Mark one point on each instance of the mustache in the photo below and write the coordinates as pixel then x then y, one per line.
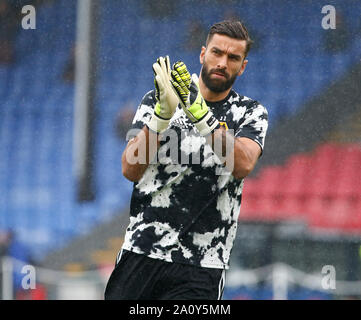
pixel 220 71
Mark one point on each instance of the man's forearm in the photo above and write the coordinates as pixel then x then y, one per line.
pixel 232 152
pixel 139 153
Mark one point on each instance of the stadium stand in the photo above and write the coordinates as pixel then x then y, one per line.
pixel 97 248
pixel 348 131
pixel 37 191
pixel 321 187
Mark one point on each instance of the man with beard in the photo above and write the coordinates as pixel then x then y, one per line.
pixel 185 204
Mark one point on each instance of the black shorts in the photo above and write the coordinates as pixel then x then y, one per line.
pixel 137 277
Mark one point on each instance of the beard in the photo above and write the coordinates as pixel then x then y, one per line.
pixel 217 85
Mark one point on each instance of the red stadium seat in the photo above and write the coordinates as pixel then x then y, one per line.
pixel 270 179
pixel 319 178
pixel 251 188
pixel 322 188
pixel 326 151
pixel 292 207
pixel 259 201
pixel 353 223
pixel 334 215
pixel 296 171
pixel 347 173
pixel 251 200
pixel 314 206
pixel 266 210
pixel 275 205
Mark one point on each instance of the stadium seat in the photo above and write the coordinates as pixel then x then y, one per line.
pixel 262 195
pixel 320 177
pixel 251 206
pixel 347 174
pixel 296 172
pixel 292 208
pixel 333 215
pixel 271 177
pixel 353 222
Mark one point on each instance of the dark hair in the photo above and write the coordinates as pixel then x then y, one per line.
pixel 233 29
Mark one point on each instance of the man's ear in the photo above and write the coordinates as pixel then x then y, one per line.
pixel 243 67
pixel 201 56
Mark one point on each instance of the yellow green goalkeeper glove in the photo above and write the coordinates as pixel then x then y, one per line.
pixel 167 100
pixel 190 97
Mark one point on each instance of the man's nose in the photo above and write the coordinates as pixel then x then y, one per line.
pixel 222 62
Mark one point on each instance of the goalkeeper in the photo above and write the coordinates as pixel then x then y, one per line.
pixel 183 214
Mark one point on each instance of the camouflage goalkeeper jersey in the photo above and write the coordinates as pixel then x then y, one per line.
pixel 186 211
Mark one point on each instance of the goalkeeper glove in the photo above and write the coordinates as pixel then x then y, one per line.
pixel 167 100
pixel 193 104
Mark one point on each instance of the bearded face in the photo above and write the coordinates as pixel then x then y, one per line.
pixel 217 80
pixel 222 61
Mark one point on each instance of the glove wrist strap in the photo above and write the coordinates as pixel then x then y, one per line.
pixel 157 124
pixel 207 124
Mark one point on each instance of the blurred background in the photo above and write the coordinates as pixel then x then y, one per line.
pixel 68 92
